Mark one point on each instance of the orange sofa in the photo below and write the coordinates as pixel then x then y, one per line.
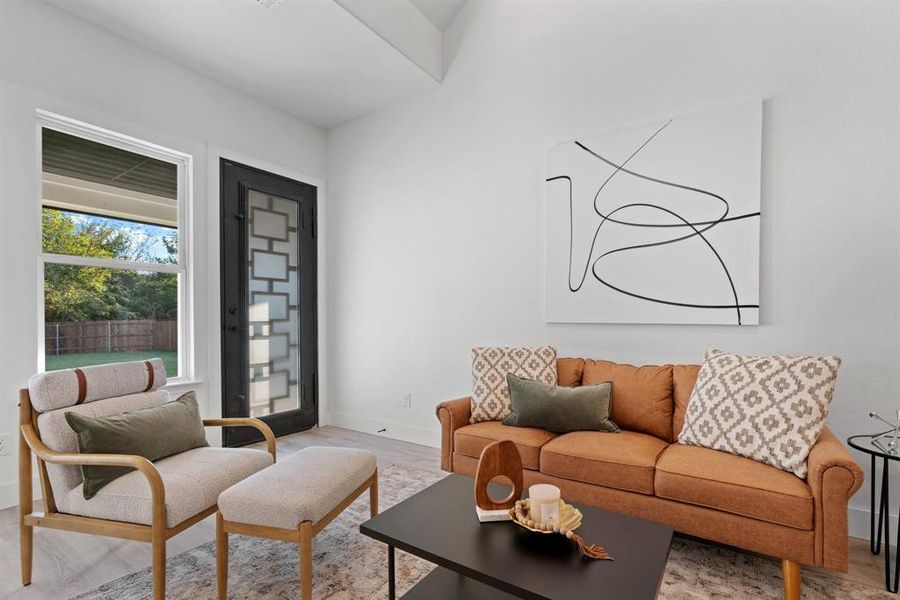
pixel 643 471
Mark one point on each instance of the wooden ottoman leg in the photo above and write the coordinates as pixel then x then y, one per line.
pixel 221 557
pixel 373 495
pixel 306 536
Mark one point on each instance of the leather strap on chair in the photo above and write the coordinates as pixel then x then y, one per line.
pixel 82 385
pixel 150 374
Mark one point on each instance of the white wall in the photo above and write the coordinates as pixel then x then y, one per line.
pixel 54 61
pixel 435 218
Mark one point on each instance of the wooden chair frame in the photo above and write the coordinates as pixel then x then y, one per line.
pixel 303 536
pixel 156 534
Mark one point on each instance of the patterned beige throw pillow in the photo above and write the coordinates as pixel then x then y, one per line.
pixel 490 393
pixel 768 408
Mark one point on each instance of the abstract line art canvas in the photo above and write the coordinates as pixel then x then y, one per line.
pixel 657 224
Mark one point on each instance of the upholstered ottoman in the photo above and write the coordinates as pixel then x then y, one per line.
pixel 292 501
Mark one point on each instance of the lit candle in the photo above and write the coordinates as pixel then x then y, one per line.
pixel 544 503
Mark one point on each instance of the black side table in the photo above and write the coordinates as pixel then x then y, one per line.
pixel 863 443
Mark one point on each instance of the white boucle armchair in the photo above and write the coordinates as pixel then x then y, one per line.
pixel 152 503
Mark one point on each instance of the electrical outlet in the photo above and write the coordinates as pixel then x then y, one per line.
pixel 5 443
pixel 407 401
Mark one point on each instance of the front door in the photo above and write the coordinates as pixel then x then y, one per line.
pixel 269 322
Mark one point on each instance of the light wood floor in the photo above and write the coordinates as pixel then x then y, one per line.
pixel 66 564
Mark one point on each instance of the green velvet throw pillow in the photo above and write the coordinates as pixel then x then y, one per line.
pixel 153 433
pixel 559 409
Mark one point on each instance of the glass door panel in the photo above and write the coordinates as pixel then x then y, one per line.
pixel 273 332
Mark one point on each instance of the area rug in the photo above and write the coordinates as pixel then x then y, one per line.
pixel 349 565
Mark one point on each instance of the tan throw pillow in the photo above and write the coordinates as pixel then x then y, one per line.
pixel 490 393
pixel 768 408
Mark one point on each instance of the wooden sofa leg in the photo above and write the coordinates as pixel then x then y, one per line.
pixel 221 557
pixel 373 496
pixel 790 570
pixel 26 493
pixel 26 548
pixel 158 541
pixel 306 536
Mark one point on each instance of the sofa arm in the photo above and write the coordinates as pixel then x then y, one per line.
pixel 34 444
pixel 452 414
pixel 257 424
pixel 833 477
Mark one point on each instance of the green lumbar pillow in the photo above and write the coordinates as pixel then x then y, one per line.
pixel 559 409
pixel 153 433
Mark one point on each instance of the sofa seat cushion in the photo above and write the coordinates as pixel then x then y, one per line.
pixel 734 484
pixel 193 481
pixel 305 486
pixel 623 460
pixel 471 440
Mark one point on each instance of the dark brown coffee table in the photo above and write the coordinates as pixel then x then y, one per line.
pixel 502 560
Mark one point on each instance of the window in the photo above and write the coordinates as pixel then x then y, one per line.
pixel 113 242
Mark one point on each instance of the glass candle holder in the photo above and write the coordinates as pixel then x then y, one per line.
pixel 545 499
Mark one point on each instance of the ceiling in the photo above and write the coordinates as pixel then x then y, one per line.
pixel 311 58
pixel 440 12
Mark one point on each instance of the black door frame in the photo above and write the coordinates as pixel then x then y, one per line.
pixel 235 180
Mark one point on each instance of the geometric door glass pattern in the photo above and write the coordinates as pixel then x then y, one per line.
pixel 273 323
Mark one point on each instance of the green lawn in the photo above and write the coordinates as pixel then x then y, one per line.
pixel 70 361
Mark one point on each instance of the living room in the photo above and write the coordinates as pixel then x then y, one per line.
pixel 340 233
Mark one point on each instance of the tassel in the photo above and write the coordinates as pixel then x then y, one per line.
pixel 591 550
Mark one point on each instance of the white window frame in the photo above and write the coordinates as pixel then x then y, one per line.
pixel 183 269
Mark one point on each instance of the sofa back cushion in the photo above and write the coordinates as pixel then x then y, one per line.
pixel 641 396
pixel 683 379
pixel 569 371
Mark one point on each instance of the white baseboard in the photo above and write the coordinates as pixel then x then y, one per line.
pixel 416 434
pixel 9 493
pixel 859 526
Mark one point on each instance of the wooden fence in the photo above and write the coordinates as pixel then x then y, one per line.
pixel 110 336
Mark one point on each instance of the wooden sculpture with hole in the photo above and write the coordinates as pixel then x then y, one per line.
pixel 498 459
